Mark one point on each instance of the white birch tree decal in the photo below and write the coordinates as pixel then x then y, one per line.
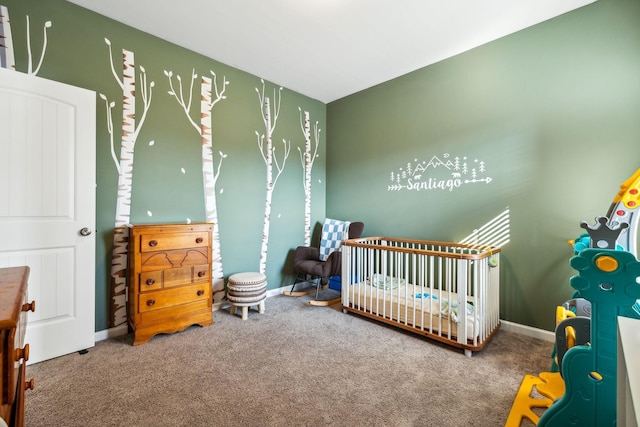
pixel 7 59
pixel 30 69
pixel 124 166
pixel 209 173
pixel 7 56
pixel 268 151
pixel 306 159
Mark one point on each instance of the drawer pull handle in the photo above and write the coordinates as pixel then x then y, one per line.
pixel 30 385
pixel 22 353
pixel 200 292
pixel 151 281
pixel 199 240
pixel 153 243
pixel 151 302
pixel 201 273
pixel 29 306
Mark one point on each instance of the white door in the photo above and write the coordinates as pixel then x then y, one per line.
pixel 47 206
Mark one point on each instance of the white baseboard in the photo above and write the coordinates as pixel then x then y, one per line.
pixel 527 330
pixel 505 325
pixel 276 291
pixel 118 331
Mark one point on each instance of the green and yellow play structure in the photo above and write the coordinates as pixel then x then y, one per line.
pixel 582 392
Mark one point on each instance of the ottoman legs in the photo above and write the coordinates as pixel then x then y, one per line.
pixel 245 309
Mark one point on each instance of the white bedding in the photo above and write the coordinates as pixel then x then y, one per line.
pixel 436 311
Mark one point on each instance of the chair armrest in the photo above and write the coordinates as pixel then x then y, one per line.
pixel 306 253
pixel 334 261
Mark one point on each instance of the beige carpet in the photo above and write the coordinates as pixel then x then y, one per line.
pixel 295 365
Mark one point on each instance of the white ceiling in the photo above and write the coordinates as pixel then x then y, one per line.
pixel 328 49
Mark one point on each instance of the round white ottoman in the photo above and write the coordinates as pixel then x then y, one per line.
pixel 246 290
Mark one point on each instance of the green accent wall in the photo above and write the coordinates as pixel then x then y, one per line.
pixel 553 111
pixel 78 55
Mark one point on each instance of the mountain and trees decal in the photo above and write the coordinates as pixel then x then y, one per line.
pixel 439 173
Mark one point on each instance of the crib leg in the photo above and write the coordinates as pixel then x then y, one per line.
pixel 468 353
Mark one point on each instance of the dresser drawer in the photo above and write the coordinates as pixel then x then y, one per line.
pixel 201 272
pixel 150 280
pixel 159 279
pixel 173 258
pixel 13 351
pixel 178 276
pixel 179 317
pixel 186 275
pixel 163 241
pixel 4 396
pixel 20 349
pixel 175 296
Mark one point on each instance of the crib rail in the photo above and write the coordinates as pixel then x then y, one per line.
pixel 442 290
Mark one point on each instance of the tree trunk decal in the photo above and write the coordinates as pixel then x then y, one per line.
pixel 7 59
pixel 209 173
pixel 306 159
pixel 268 152
pixel 118 313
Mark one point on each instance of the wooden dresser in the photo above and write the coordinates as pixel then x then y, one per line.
pixel 14 353
pixel 169 278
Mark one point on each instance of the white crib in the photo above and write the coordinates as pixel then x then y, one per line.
pixel 449 292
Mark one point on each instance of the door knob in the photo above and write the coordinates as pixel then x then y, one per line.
pixel 85 231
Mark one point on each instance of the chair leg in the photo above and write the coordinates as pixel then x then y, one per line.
pixel 295 281
pixel 318 284
pixel 300 278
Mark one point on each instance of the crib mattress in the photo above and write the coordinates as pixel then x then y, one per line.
pixel 433 310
